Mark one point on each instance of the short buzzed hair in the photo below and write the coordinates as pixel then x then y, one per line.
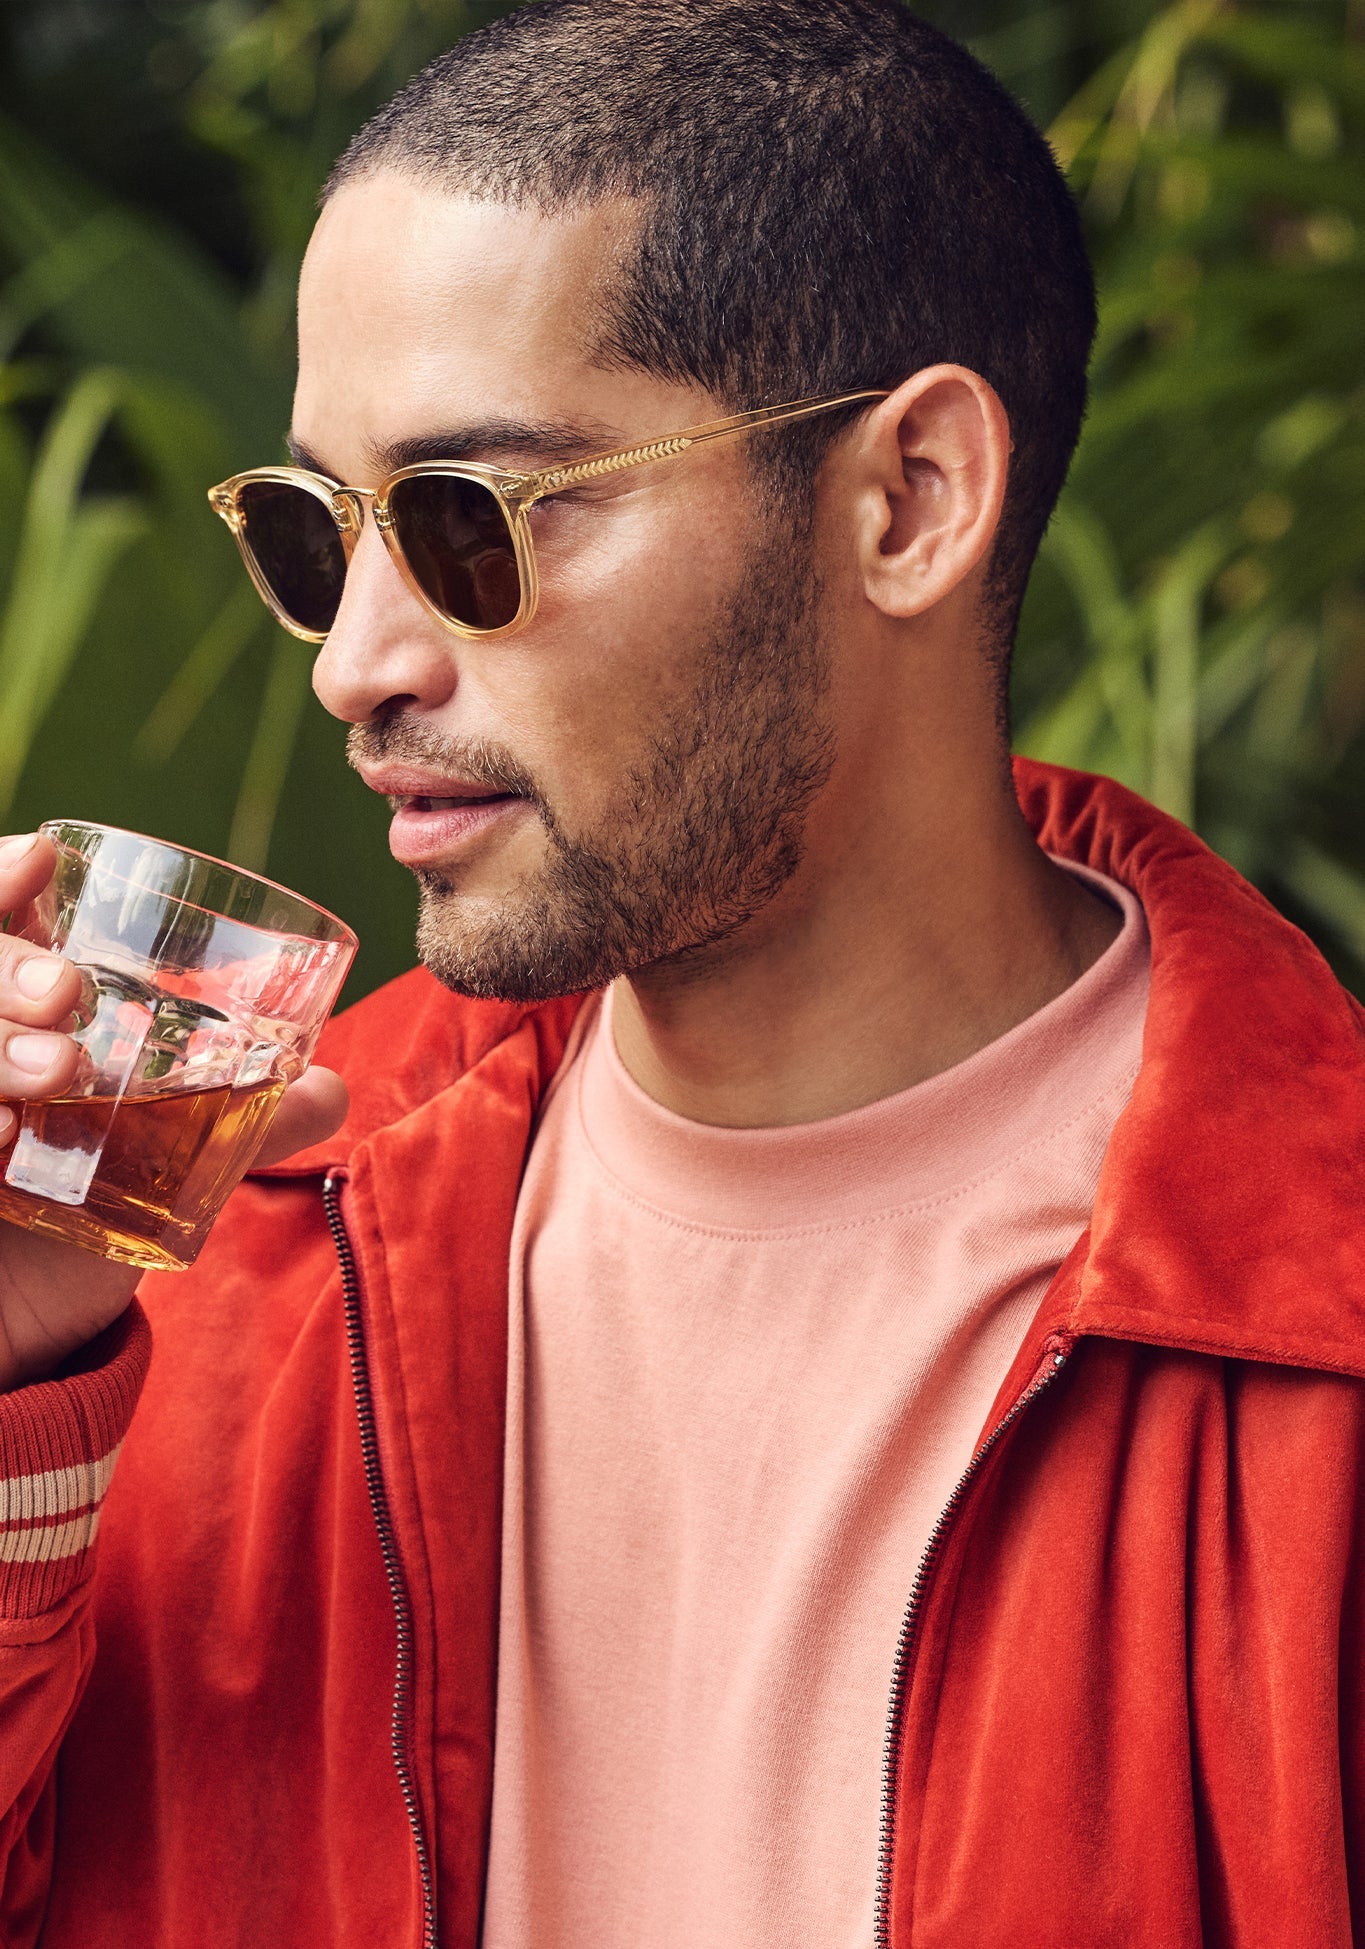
pixel 833 195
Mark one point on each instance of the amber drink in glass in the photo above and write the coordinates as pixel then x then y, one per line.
pixel 206 989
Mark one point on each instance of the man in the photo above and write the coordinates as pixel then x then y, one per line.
pixel 917 1499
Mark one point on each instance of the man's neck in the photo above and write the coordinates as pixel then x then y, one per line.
pixel 866 977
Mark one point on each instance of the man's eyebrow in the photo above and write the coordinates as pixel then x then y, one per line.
pixel 499 439
pixel 488 440
pixel 303 456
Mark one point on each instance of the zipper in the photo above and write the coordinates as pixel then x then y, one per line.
pixel 400 1729
pixel 1055 1352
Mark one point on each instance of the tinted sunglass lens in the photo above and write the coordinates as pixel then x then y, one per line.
pixel 297 547
pixel 456 540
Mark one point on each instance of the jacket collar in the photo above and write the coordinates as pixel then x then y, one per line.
pixel 1229 1211
pixel 1228 1215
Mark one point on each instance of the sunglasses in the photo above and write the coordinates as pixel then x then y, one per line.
pixel 459 533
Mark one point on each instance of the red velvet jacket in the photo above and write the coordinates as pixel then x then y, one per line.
pixel 1127 1707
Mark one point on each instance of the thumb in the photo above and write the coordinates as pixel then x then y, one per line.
pixel 309 1111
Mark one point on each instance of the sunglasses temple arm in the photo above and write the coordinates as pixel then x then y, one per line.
pixel 534 487
pixel 802 409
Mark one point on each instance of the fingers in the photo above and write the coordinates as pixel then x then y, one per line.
pixel 310 1110
pixel 38 995
pixel 39 992
pixel 35 1062
pixel 26 866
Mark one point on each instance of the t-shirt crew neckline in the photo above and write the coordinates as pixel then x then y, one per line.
pixel 920 1146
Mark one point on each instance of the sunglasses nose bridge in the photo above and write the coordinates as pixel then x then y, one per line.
pixel 347 506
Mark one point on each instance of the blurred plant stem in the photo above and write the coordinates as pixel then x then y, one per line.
pixel 267 762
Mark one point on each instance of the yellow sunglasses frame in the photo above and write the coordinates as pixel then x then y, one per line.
pixel 516 495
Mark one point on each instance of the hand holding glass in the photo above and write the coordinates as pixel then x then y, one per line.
pixel 206 989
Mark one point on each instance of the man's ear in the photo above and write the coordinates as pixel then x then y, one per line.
pixel 932 464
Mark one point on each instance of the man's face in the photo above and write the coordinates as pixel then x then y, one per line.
pixel 627 780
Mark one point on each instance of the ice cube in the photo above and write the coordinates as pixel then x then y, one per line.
pixel 54 1158
pixel 261 1064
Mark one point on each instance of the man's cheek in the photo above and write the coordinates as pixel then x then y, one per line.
pixel 582 740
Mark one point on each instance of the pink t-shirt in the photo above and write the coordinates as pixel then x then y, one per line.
pixel 747 1369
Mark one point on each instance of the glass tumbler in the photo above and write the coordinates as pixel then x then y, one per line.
pixel 206 989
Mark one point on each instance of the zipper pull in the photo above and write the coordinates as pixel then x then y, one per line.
pixel 1056 1352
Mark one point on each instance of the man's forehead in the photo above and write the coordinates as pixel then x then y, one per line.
pixel 435 326
pixel 438 325
pixel 390 254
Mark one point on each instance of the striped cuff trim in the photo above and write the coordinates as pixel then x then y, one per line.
pixel 59 1441
pixel 31 1505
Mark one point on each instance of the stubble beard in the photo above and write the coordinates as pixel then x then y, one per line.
pixel 700 837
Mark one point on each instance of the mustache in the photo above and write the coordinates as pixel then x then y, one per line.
pixel 399 739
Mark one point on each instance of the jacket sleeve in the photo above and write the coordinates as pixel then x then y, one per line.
pixel 59 1440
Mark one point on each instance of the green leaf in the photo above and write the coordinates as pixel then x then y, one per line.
pixel 67 548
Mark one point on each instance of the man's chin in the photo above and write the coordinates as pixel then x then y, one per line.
pixel 491 952
pixel 483 983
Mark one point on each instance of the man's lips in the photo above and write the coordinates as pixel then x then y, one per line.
pixel 433 815
pixel 445 801
pixel 403 786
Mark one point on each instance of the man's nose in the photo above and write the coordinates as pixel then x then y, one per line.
pixel 384 649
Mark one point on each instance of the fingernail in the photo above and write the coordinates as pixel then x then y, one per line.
pixel 39 975
pixel 13 850
pixel 7 1122
pixel 34 1053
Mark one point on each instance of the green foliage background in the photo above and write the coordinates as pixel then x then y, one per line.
pixel 1196 625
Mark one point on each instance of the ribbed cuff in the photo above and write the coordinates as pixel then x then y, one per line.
pixel 59 1440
